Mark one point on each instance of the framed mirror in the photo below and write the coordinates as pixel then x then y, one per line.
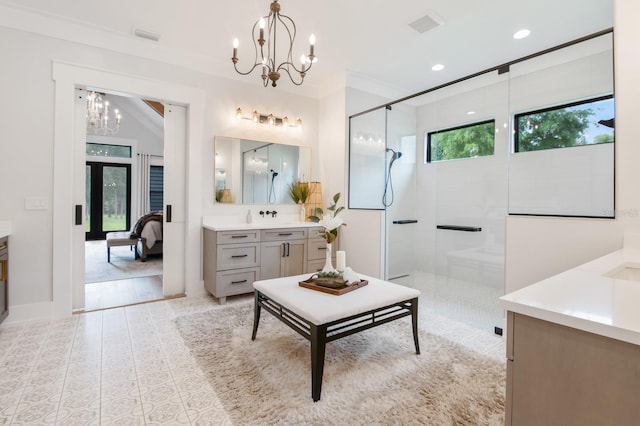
pixel 258 172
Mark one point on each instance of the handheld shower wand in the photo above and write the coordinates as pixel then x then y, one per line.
pixel 388 184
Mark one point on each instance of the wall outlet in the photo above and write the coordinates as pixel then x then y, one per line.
pixel 36 203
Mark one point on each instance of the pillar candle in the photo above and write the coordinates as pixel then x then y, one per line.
pixel 341 262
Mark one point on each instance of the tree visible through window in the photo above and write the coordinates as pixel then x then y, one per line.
pixel 471 140
pixel 580 123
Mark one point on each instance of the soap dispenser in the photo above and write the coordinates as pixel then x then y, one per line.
pixel 249 216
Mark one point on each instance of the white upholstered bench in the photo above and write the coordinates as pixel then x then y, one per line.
pixel 122 238
pixel 322 318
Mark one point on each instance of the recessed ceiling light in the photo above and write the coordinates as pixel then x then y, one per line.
pixel 521 34
pixel 437 67
pixel 470 112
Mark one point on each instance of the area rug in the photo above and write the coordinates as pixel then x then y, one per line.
pixel 123 263
pixel 370 378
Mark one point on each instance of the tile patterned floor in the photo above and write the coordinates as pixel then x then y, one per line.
pixel 129 366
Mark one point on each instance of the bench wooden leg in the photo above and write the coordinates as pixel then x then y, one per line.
pixel 256 316
pixel 414 323
pixel 318 346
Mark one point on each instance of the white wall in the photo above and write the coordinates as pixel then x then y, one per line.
pixel 27 108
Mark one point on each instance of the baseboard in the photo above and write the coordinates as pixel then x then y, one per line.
pixel 30 312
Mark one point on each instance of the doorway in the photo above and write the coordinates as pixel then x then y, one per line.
pixel 123 187
pixel 184 263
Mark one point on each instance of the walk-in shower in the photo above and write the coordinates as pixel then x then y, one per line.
pixel 441 168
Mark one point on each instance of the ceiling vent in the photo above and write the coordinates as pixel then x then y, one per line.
pixel 426 23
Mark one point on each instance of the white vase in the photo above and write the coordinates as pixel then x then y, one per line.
pixel 328 267
pixel 302 213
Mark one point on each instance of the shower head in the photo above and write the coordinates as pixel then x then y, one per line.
pixel 274 174
pixel 394 154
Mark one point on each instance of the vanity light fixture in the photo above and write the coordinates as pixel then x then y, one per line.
pixel 269 119
pixel 266 48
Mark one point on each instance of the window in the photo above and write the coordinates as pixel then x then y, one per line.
pixel 156 187
pixel 104 150
pixel 468 141
pixel 587 122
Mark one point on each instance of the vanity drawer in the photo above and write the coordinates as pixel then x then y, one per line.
pixel 317 249
pixel 238 281
pixel 248 236
pixel 234 256
pixel 283 234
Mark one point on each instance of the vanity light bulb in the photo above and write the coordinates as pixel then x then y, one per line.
pixel 236 43
pixel 238 113
pixel 256 116
pixel 261 23
pixel 299 122
pixel 312 39
pixel 285 121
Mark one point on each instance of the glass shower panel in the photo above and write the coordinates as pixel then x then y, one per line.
pixel 470 198
pixel 399 196
pixel 367 160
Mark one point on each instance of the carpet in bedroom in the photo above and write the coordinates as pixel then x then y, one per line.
pixel 123 264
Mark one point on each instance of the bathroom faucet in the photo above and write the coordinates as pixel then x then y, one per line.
pixel 272 213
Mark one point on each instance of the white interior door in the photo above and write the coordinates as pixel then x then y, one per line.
pixel 79 177
pixel 175 199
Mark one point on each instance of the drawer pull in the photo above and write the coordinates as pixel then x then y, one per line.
pixel 4 246
pixel 235 256
pixel 238 282
pixel 322 248
pixel 239 236
pixel 285 234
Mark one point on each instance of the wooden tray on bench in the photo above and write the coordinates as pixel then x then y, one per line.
pixel 336 291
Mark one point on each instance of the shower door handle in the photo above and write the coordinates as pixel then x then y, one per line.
pixel 404 221
pixel 168 213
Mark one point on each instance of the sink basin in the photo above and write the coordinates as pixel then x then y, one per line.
pixel 629 272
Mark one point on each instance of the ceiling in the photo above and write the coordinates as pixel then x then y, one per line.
pixel 368 41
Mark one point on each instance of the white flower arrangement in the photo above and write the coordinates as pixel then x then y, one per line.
pixel 330 221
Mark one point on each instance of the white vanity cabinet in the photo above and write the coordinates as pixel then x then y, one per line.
pixel 282 252
pixel 231 262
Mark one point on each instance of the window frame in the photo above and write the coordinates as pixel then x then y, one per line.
pixel 516 117
pixel 428 158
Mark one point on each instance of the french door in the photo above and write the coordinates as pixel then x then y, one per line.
pixel 108 199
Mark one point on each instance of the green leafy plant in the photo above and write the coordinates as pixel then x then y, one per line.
pixel 299 192
pixel 329 221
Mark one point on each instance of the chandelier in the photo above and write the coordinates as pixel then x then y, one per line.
pixel 98 119
pixel 265 49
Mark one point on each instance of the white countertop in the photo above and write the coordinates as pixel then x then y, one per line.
pixel 585 299
pixel 222 224
pixel 5 229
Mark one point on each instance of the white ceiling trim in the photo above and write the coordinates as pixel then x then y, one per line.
pixel 49 25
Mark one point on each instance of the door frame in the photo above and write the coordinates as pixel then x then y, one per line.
pixel 69 153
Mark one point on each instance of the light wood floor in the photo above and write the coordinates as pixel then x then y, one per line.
pixel 110 294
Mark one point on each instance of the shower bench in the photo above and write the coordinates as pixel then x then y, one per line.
pixel 322 318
